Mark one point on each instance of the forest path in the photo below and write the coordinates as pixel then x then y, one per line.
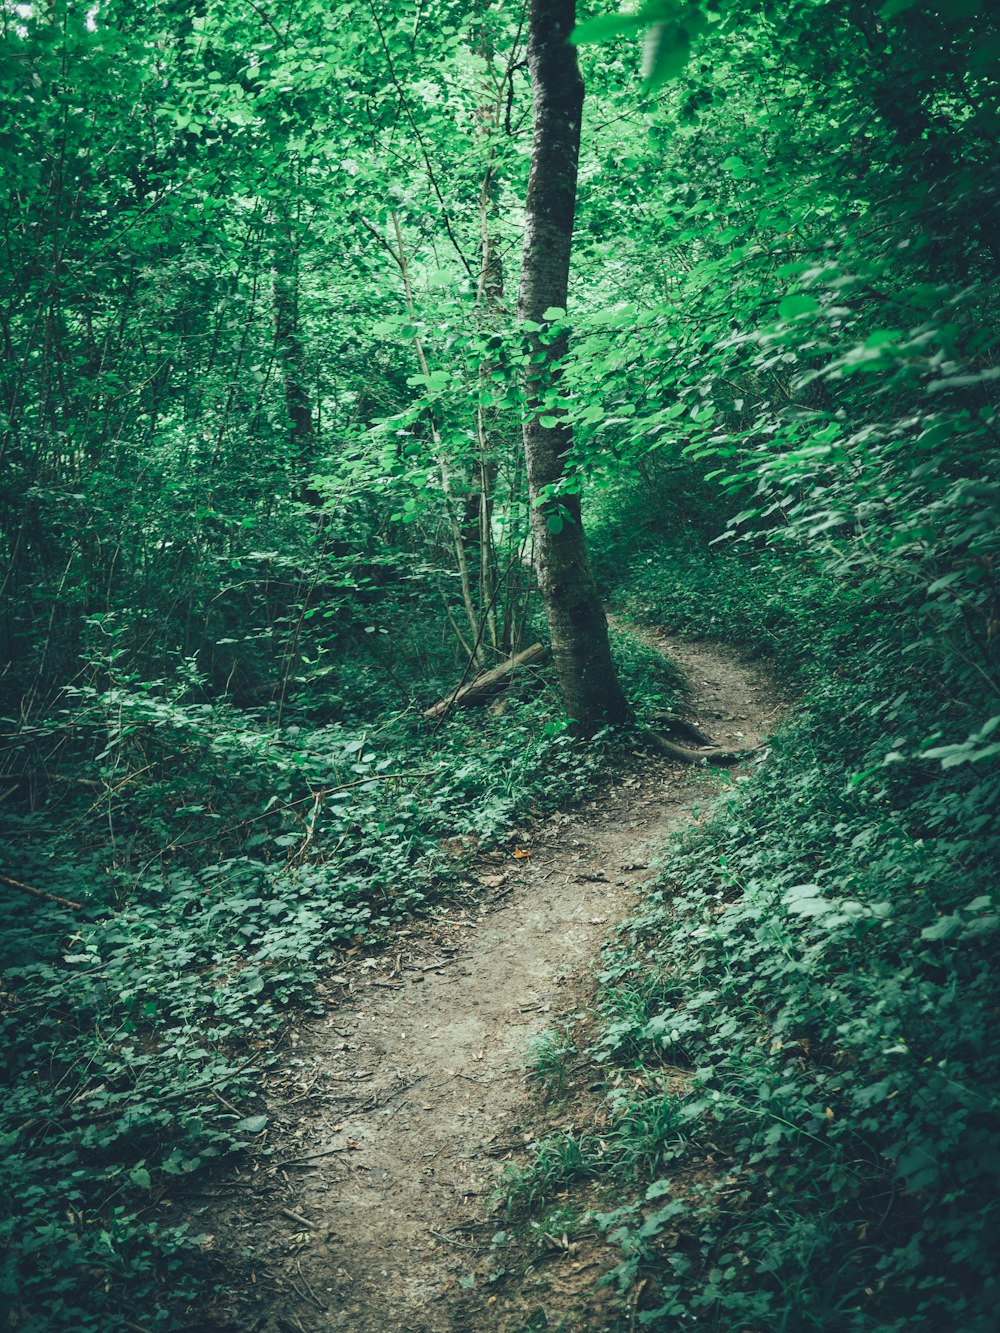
pixel 392 1111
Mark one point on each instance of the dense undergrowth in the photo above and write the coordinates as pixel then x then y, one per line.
pixel 214 865
pixel 803 1130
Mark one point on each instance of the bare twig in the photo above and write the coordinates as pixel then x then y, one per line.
pixel 109 792
pixel 310 1157
pixel 459 1244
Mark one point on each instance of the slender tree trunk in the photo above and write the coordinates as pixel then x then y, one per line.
pixel 578 629
pixel 444 471
pixel 291 357
pixel 298 408
pixel 489 301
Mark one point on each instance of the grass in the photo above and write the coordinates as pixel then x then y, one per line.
pixel 548 1058
pixel 554 1160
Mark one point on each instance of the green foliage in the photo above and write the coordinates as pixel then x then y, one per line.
pixel 650 680
pixel 830 950
pixel 262 501
pixel 214 891
pixel 667 44
pixel 554 1161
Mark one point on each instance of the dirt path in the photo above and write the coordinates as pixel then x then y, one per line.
pixel 396 1106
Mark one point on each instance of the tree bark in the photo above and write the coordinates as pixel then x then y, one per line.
pixel 577 625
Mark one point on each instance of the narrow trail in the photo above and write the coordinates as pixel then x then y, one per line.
pixel 394 1109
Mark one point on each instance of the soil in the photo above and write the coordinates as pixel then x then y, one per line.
pixel 395 1113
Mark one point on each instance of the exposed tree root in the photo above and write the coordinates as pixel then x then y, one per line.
pixel 682 727
pixel 685 755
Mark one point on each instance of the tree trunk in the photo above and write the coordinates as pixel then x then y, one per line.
pixel 291 357
pixel 577 626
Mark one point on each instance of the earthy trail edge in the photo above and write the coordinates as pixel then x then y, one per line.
pixel 391 1115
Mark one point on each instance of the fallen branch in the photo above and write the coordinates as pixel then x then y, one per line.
pixel 40 893
pixel 487 682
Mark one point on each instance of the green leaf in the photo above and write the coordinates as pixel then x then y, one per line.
pixel 793 306
pixel 252 1124
pixel 141 1177
pixel 893 7
pixel 555 523
pixel 554 312
pixel 665 52
pixel 658 1188
pixel 882 336
pixel 605 27
pixel 944 928
pixel 800 891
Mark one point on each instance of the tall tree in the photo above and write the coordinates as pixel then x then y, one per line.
pixel 578 628
pixel 291 355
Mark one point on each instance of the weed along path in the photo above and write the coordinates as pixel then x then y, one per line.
pixel 393 1114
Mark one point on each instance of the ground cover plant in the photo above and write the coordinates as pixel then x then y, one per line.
pixel 829 989
pixel 200 872
pixel 801 1127
pixel 145 996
